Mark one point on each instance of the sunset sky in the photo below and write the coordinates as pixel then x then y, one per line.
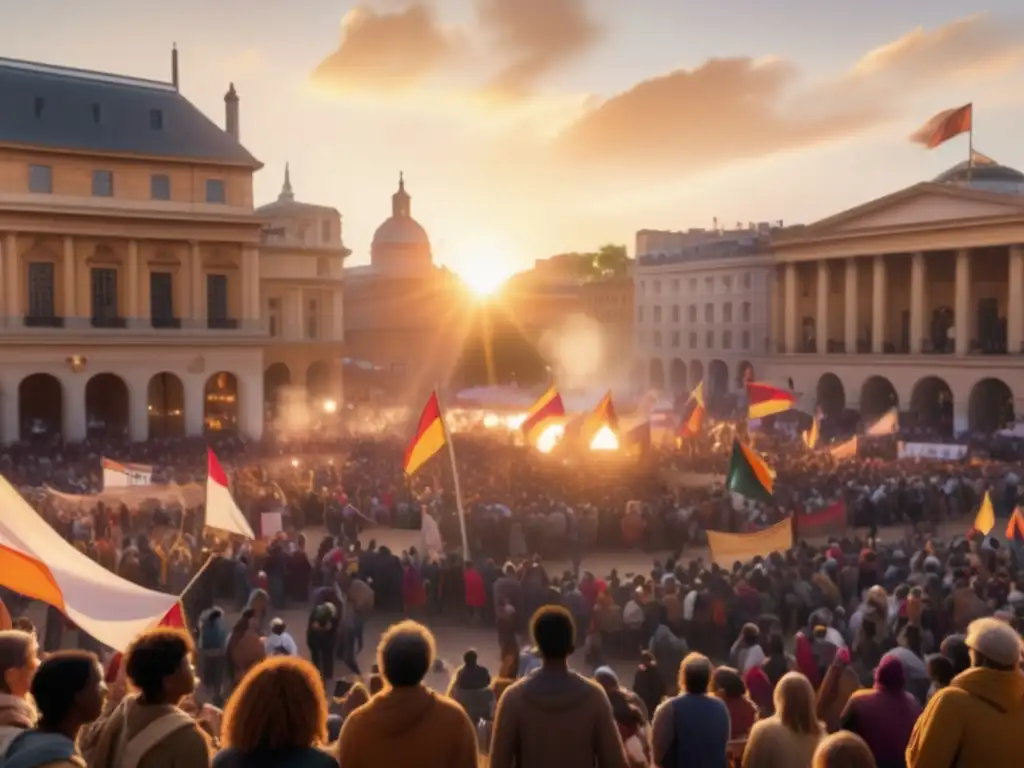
pixel 531 127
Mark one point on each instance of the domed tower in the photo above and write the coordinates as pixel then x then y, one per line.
pixel 984 173
pixel 400 245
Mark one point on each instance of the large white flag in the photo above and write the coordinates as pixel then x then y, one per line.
pixel 37 563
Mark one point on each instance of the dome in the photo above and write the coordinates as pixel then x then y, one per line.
pixel 400 230
pixel 984 173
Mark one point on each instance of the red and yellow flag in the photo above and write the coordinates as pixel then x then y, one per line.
pixel 766 400
pixel 1015 528
pixel 602 416
pixel 693 423
pixel 548 409
pixel 944 126
pixel 698 394
pixel 428 439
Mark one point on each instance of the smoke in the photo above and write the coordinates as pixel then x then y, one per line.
pixel 582 358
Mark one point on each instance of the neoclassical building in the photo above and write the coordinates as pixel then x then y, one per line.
pixel 703 300
pixel 302 259
pixel 914 300
pixel 403 315
pixel 129 255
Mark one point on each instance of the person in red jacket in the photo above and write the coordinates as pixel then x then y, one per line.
pixel 476 592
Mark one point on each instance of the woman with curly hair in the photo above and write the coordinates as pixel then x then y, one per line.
pixel 277 716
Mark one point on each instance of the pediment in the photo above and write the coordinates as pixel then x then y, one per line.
pixel 921 205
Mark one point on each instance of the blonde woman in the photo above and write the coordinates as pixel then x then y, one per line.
pixel 788 738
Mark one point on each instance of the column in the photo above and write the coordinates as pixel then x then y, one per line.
pixel 850 306
pixel 293 325
pixel 1015 301
pixel 74 406
pixel 338 315
pixel 962 308
pixel 70 310
pixel 917 279
pixel 878 290
pixel 10 426
pixel 250 405
pixel 138 409
pixel 789 303
pixel 12 278
pixel 3 293
pixel 195 408
pixel 198 288
pixel 132 309
pixel 821 321
pixel 250 285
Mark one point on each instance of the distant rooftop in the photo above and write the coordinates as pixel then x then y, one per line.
pixel 63 108
pixel 656 247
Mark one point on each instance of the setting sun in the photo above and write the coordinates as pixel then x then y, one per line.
pixel 484 265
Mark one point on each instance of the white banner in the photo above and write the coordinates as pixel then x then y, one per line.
pixel 271 524
pixel 943 451
pixel 118 475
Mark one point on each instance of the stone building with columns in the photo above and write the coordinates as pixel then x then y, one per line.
pixel 302 258
pixel 129 255
pixel 913 300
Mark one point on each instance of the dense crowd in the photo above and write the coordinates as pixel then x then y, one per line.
pixel 894 650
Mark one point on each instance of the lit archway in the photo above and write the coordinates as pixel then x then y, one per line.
pixel 106 406
pixel 40 406
pixel 318 381
pixel 696 373
pixel 877 396
pixel 678 376
pixel 990 406
pixel 275 379
pixel 165 404
pixel 931 402
pixel 718 378
pixel 657 374
pixel 220 402
pixel 831 395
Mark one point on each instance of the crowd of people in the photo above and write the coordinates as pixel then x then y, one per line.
pixel 893 650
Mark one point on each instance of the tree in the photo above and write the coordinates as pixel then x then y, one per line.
pixel 611 261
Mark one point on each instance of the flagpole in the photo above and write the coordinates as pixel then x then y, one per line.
pixel 970 147
pixel 455 477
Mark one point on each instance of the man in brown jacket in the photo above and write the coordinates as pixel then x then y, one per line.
pixel 555 717
pixel 150 730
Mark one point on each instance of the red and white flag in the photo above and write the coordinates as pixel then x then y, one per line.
pixel 222 512
pixel 944 126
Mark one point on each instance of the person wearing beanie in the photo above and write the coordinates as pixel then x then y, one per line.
pixel 407 723
pixel 978 719
pixel 884 715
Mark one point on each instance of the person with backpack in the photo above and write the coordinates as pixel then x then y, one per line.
pixel 69 691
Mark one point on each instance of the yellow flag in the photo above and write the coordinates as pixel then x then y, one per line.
pixel 986 519
pixel 811 435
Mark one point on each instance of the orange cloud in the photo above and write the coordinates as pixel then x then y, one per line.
pixel 535 37
pixel 734 109
pixel 388 50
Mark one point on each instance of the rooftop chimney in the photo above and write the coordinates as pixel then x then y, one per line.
pixel 174 65
pixel 231 112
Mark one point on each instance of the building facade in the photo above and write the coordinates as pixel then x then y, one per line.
pixel 611 302
pixel 302 259
pixel 913 300
pixel 703 308
pixel 404 318
pixel 129 256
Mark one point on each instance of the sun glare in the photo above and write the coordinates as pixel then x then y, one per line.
pixel 484 265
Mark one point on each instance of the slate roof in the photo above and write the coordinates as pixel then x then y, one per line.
pixel 65 100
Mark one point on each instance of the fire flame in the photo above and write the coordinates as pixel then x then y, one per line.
pixel 604 440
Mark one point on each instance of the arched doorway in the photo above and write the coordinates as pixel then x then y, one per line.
pixel 696 373
pixel 657 374
pixel 678 376
pixel 931 402
pixel 318 381
pixel 718 378
pixel 877 396
pixel 275 379
pixel 106 406
pixel 40 406
pixel 744 374
pixel 990 406
pixel 165 404
pixel 831 395
pixel 220 402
